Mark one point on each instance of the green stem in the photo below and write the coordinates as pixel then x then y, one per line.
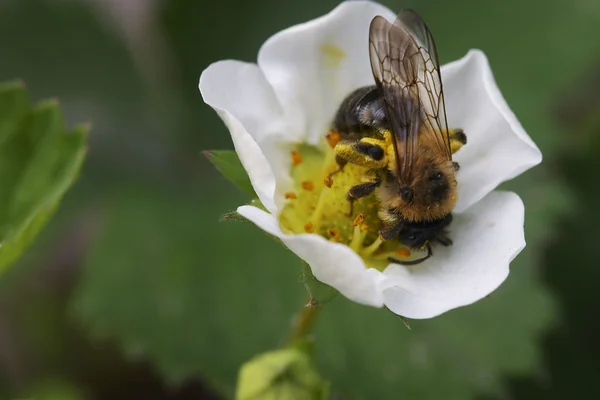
pixel 304 322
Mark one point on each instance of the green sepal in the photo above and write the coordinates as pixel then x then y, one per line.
pixel 318 291
pixel 282 374
pixel 235 216
pixel 229 164
pixel 39 160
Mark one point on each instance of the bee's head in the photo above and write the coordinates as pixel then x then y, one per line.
pixel 418 234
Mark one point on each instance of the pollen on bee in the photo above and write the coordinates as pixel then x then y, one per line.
pixel 333 137
pixel 307 185
pixel 296 158
pixel 403 252
pixel 308 228
pixel 360 218
pixel 290 195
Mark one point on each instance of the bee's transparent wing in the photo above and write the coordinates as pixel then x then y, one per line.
pixel 406 69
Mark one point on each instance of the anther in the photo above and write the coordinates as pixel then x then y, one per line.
pixel 328 181
pixel 308 185
pixel 333 137
pixel 290 195
pixel 296 157
pixel 403 252
pixel 333 234
pixel 360 218
pixel 308 228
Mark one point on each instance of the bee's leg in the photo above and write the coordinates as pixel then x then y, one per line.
pixel 413 262
pixel 366 152
pixel 341 162
pixel 361 190
pixel 457 139
pixel 444 240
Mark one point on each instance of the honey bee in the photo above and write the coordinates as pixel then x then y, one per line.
pixel 397 129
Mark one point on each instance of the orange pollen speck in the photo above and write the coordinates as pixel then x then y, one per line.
pixel 333 233
pixel 308 228
pixel 328 181
pixel 290 195
pixel 333 137
pixel 360 218
pixel 308 185
pixel 403 252
pixel 296 157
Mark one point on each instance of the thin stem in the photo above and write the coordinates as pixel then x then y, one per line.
pixel 304 322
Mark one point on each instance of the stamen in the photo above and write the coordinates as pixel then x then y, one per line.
pixel 308 185
pixel 403 252
pixel 333 234
pixel 318 213
pixel 296 158
pixel 360 218
pixel 372 247
pixel 290 195
pixel 333 137
pixel 308 228
pixel 359 236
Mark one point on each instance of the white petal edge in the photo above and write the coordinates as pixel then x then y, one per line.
pixel 498 148
pixel 242 97
pixel 332 263
pixel 487 237
pixel 314 65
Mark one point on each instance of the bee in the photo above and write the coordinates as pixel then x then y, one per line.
pixel 397 129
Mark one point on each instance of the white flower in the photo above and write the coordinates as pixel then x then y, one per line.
pixel 291 95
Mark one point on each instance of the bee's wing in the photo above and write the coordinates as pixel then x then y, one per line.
pixel 405 65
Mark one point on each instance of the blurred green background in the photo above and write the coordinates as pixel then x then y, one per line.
pixel 135 290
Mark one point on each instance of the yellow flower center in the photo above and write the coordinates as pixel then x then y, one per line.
pixel 313 207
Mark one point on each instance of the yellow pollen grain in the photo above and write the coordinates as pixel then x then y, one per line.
pixel 333 137
pixel 290 195
pixel 403 252
pixel 296 158
pixel 308 185
pixel 308 228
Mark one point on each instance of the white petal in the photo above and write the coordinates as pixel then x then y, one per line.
pixel 314 65
pixel 246 103
pixel 332 263
pixel 498 148
pixel 487 237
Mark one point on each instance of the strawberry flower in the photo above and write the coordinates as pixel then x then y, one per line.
pixel 279 112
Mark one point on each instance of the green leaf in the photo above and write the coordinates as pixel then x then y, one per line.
pixel 229 164
pixel 39 160
pixel 281 374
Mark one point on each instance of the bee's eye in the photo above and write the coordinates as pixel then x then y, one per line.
pixel 376 153
pixel 436 176
pixel 406 193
